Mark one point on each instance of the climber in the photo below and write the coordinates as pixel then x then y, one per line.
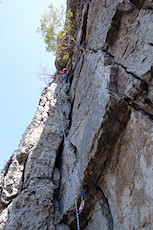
pixel 83 200
pixel 64 78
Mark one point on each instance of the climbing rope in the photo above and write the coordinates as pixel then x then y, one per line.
pixel 70 166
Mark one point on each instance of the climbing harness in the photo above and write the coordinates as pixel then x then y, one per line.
pixel 70 166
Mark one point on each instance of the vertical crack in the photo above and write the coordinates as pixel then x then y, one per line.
pixel 84 27
pixel 56 181
pixel 105 208
pixel 114 29
pixel 23 175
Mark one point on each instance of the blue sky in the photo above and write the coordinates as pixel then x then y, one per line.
pixel 22 52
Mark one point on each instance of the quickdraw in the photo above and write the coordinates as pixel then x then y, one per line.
pixel 83 200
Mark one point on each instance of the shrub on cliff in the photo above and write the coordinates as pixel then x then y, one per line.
pixel 55 30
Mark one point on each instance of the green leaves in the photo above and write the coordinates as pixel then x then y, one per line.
pixel 54 31
pixel 51 22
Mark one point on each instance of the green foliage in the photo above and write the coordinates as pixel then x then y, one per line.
pixel 69 20
pixel 54 31
pixel 51 23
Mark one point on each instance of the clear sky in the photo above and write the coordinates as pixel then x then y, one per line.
pixel 22 52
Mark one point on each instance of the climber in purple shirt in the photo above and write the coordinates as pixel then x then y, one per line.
pixel 64 78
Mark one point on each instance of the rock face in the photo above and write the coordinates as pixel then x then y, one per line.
pixel 30 181
pixel 108 120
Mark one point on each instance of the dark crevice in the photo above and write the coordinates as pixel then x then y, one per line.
pixel 58 163
pixel 113 79
pixel 151 71
pixel 134 104
pixel 148 8
pixel 144 86
pixel 147 101
pixel 139 109
pixel 144 60
pixel 138 3
pixel 151 44
pixel 87 222
pixel 127 99
pixel 114 30
pixel 58 155
pixel 125 50
pixel 107 60
pixel 84 27
pixel 70 116
pixel 106 209
pixel 133 75
pixel 22 179
pixel 75 151
pixel 111 61
pixel 80 59
pixel 72 69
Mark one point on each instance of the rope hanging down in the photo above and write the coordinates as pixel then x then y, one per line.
pixel 70 166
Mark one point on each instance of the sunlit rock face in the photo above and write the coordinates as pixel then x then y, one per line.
pixel 108 119
pixel 31 177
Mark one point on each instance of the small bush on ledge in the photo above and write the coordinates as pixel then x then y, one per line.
pixel 56 31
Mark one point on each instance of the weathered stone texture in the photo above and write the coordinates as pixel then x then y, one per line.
pixel 134 46
pixel 31 176
pixel 108 83
pixel 108 120
pixel 97 30
pixel 128 182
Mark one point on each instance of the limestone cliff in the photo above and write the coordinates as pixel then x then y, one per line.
pixel 108 120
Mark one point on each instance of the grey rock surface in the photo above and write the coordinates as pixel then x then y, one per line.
pixel 32 176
